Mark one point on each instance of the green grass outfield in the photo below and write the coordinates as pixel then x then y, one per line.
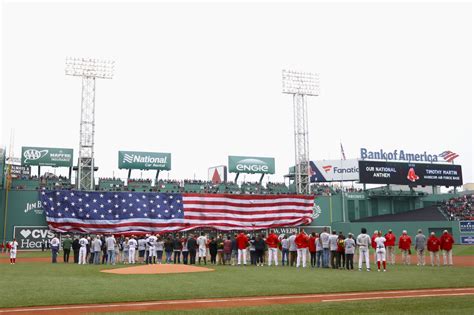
pixel 459 305
pixel 28 284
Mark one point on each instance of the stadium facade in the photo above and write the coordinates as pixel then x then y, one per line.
pixel 380 208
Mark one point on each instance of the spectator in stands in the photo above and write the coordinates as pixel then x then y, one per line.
pixel 404 244
pixel 420 245
pixel 390 245
pixel 446 244
pixel 433 245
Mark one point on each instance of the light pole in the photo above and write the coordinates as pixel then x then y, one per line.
pixel 301 84
pixel 89 70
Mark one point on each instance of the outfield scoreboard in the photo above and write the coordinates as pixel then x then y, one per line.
pixel 412 174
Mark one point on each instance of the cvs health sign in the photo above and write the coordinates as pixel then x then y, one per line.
pixel 31 237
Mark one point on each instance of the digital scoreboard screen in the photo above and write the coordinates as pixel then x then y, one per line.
pixel 412 174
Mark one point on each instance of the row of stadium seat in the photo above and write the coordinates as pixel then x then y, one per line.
pixel 169 186
pixel 459 208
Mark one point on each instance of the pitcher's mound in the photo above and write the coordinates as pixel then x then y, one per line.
pixel 156 269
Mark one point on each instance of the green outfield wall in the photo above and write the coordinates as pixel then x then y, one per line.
pixel 24 210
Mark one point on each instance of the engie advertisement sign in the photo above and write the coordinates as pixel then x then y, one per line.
pixel 334 170
pixel 31 237
pixel 144 160
pixel 46 156
pixel 372 172
pixel 251 165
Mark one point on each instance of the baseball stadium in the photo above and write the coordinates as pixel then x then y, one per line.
pixel 86 229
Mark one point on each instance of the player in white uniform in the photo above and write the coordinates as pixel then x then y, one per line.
pixel 83 250
pixel 151 240
pixel 380 250
pixel 363 241
pixel 202 242
pixel 132 245
pixel 13 248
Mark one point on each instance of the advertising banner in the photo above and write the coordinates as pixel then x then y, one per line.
pixel 403 155
pixel 19 171
pixel 466 226
pixel 467 240
pixel 31 237
pixel 144 160
pixel 372 172
pixel 251 165
pixel 46 156
pixel 334 170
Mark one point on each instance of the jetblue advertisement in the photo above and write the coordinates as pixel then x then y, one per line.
pixel 412 174
pixel 334 170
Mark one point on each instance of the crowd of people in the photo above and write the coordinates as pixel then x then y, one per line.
pixel 321 250
pixel 459 208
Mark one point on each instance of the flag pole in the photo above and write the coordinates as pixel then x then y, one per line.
pixel 343 156
pixel 7 188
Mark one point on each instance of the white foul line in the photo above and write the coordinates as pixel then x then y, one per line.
pixel 287 297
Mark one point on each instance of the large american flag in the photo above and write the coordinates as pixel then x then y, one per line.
pixel 138 213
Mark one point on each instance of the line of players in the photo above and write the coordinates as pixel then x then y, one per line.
pixel 323 248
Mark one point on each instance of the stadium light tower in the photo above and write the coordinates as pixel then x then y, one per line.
pixel 301 85
pixel 89 70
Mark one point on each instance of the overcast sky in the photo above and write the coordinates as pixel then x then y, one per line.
pixel 203 81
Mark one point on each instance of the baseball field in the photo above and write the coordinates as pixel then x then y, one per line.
pixel 36 286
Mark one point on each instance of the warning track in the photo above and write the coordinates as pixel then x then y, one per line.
pixel 235 302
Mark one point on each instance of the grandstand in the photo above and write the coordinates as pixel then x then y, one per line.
pixel 459 208
pixel 345 209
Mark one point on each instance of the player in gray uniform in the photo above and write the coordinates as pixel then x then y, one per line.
pixel 349 250
pixel 420 246
pixel 141 250
pixel 364 241
pixel 96 249
pixel 125 250
pixel 152 249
